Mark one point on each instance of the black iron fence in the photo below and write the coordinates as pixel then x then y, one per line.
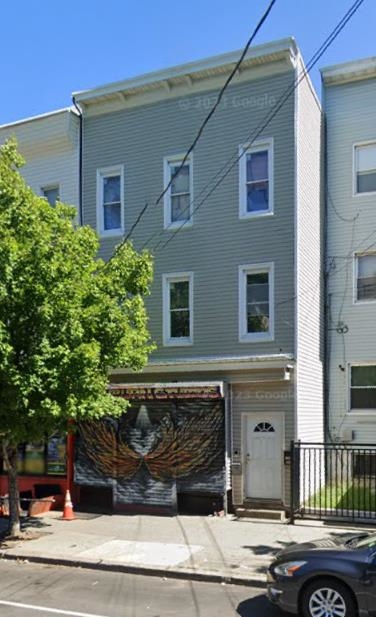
pixel 333 481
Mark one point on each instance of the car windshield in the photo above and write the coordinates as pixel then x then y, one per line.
pixel 363 542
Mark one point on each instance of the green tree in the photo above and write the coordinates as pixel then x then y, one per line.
pixel 66 318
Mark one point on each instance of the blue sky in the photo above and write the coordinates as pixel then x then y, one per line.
pixel 49 49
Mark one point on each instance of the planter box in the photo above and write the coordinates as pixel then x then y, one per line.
pixel 38 507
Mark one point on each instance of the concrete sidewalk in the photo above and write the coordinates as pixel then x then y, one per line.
pixel 191 547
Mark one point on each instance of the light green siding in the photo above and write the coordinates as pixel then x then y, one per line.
pixel 218 242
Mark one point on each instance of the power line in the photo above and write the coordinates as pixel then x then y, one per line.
pixel 209 115
pixel 273 112
pixel 338 215
pixel 217 102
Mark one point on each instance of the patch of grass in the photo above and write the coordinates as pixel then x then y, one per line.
pixel 346 496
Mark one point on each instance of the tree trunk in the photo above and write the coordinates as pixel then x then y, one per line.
pixel 10 460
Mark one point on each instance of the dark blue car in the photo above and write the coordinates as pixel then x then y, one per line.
pixel 326 578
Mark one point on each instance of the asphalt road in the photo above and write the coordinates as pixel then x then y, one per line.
pixel 28 590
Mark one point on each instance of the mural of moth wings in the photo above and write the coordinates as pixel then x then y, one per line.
pixel 108 455
pixel 194 447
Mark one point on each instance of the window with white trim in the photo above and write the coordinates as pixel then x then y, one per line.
pixel 110 201
pixel 178 197
pixel 365 269
pixel 365 168
pixel 178 309
pixel 256 179
pixel 51 193
pixel 363 387
pixel 256 302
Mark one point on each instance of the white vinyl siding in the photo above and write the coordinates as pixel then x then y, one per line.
pixel 178 199
pixel 178 308
pixel 110 201
pixel 308 266
pixel 256 186
pixel 365 168
pixel 256 302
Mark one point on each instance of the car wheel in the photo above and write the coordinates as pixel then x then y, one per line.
pixel 328 598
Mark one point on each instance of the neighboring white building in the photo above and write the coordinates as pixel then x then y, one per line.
pixel 50 145
pixel 350 108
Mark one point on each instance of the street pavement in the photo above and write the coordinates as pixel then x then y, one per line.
pixel 216 549
pixel 36 590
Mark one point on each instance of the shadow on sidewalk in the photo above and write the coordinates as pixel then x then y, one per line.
pixel 257 607
pixel 29 525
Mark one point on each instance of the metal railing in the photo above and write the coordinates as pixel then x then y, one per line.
pixel 330 480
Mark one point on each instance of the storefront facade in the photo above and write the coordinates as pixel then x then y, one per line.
pixel 44 469
pixel 195 439
pixel 166 454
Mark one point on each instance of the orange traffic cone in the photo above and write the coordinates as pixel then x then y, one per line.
pixel 68 514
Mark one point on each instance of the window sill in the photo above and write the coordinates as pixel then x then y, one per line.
pixel 113 233
pixel 175 226
pixel 255 215
pixel 364 302
pixel 365 194
pixel 177 343
pixel 246 338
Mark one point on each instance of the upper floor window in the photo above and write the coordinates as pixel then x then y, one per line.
pixel 256 179
pixel 363 387
pixel 365 168
pixel 178 309
pixel 178 198
pixel 51 193
pixel 256 302
pixel 110 201
pixel 365 277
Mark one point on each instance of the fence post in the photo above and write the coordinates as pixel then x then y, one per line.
pixel 292 483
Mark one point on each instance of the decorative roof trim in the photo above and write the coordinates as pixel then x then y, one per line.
pixel 355 70
pixel 284 48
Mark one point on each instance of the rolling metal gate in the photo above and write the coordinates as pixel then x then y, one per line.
pixel 333 481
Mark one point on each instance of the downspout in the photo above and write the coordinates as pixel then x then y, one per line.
pixel 80 163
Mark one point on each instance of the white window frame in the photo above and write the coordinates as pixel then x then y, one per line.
pixel 355 278
pixel 176 277
pixel 257 146
pixel 168 161
pixel 106 172
pixel 48 187
pixel 355 146
pixel 244 335
pixel 357 410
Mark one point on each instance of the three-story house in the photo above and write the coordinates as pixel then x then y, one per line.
pixel 237 293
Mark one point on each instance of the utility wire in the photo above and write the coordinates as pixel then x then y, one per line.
pixel 209 115
pixel 280 103
pixel 219 98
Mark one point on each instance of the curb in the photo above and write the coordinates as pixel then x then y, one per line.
pixel 199 575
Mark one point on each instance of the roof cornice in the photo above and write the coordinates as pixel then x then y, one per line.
pixel 346 72
pixel 284 49
pixel 45 116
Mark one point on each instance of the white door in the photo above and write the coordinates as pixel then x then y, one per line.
pixel 263 450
